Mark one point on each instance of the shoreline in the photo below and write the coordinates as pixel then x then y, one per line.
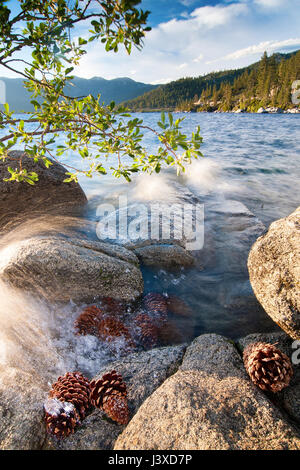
pixel 166 110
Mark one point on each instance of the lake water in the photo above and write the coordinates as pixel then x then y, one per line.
pixel 249 158
pixel 253 158
pixel 251 164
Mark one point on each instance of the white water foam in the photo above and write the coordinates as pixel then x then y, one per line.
pixel 25 342
pixel 206 176
pixel 40 340
pixel 152 187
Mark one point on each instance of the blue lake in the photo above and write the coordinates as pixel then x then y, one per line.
pixel 253 159
pixel 251 163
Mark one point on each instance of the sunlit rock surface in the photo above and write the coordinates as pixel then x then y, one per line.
pixel 20 201
pixel 60 270
pixel 274 269
pixel 209 404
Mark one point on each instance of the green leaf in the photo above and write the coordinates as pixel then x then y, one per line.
pixel 35 103
pixel 69 70
pixel 82 41
pixel 100 169
pixel 60 123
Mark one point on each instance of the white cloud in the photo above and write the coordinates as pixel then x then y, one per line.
pixel 204 18
pixel 269 46
pixel 187 3
pixel 270 3
pixel 211 17
pixel 199 58
pixel 209 39
pixel 161 81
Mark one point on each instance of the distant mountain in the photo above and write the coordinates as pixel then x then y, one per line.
pixel 118 90
pixel 264 83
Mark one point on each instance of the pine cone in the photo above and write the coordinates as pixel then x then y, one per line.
pixel 178 307
pixel 109 329
pixel 61 417
pixel 169 334
pixel 88 321
pixel 113 306
pixel 268 367
pixel 110 394
pixel 156 306
pixel 73 388
pixel 149 331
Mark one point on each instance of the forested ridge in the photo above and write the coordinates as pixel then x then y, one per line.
pixel 265 83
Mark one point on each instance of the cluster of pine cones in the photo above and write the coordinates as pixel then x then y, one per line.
pixel 94 321
pixel 72 395
pixel 150 322
pixel 151 319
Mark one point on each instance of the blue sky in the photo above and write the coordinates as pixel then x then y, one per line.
pixel 194 37
pixel 165 10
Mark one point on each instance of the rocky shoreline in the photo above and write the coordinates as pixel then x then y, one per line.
pixel 195 395
pixel 186 397
pixel 261 110
pixel 268 110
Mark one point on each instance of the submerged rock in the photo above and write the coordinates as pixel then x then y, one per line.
pixel 50 194
pixel 274 269
pixel 209 404
pixel 160 232
pixel 165 255
pixel 235 228
pixel 61 269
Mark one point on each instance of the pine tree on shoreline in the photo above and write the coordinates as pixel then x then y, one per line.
pixel 267 83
